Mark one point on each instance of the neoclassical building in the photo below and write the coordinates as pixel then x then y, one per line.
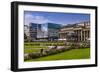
pixel 75 32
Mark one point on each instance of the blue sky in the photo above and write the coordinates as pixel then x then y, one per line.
pixel 55 17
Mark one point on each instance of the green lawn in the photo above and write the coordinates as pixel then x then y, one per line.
pixel 36 46
pixel 67 55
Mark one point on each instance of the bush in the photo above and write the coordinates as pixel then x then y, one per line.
pixel 26 57
pixel 72 46
pixel 85 45
pixel 44 53
pixel 76 45
pixel 50 52
pixel 34 55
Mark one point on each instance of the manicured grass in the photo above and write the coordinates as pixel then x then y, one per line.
pixel 30 50
pixel 67 55
pixel 30 47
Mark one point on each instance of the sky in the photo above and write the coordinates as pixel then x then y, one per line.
pixel 54 17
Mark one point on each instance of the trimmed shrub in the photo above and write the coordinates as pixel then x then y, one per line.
pixel 46 53
pixel 34 55
pixel 26 57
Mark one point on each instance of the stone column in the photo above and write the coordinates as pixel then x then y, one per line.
pixel 81 35
pixel 84 35
pixel 78 35
pixel 89 34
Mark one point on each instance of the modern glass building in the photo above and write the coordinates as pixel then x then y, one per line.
pixel 48 31
pixel 33 31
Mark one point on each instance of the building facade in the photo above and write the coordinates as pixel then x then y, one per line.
pixel 26 33
pixel 33 31
pixel 47 31
pixel 53 31
pixel 75 32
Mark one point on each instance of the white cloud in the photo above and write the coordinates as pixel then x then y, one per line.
pixel 29 18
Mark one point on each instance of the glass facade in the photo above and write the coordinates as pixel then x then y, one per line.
pixel 46 30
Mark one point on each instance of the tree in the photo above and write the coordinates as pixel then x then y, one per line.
pixel 25 36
